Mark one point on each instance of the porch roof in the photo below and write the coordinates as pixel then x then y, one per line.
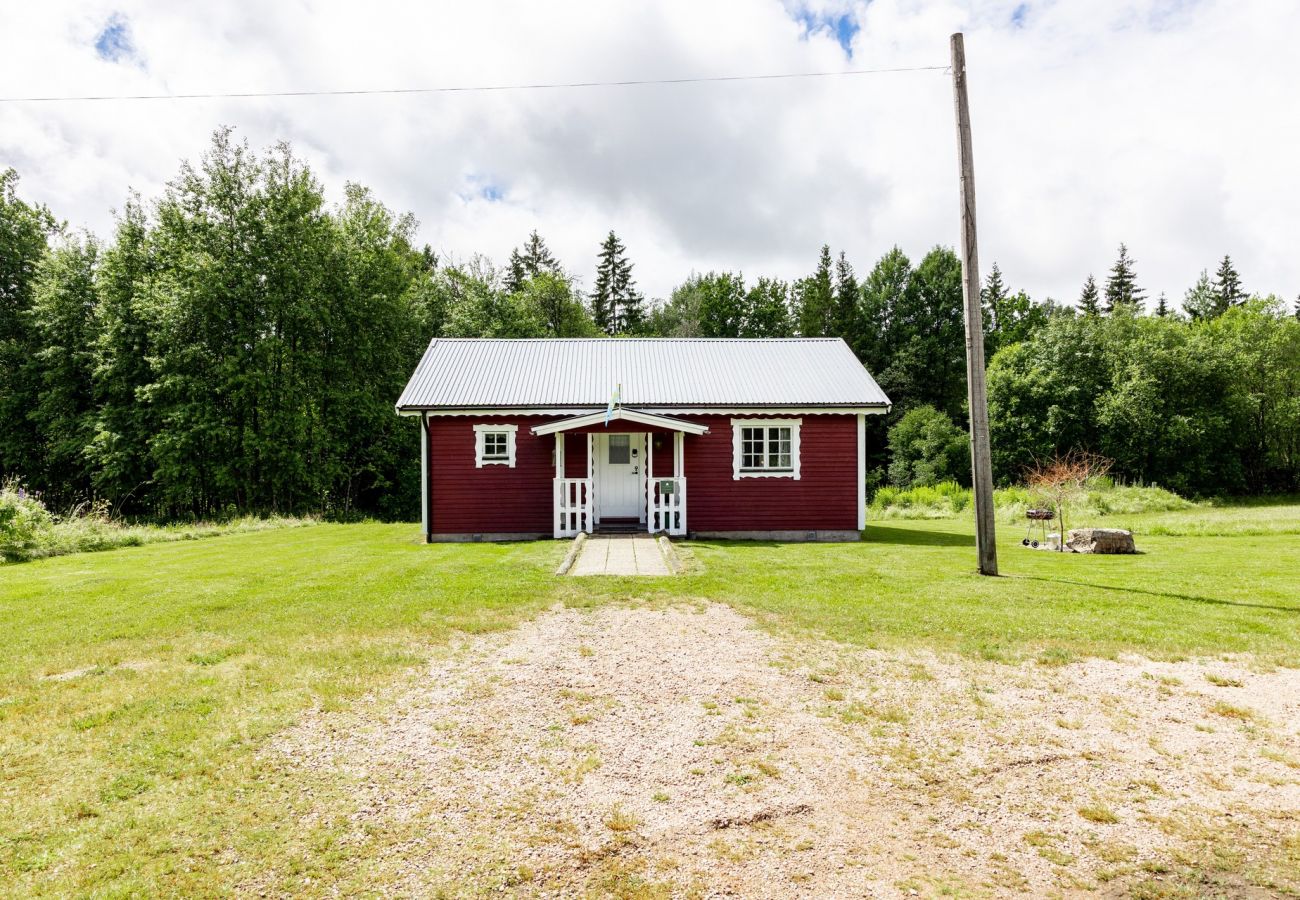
pixel 621 414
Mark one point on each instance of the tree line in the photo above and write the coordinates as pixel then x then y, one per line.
pixel 238 343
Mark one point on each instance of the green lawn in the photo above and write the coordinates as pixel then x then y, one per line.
pixel 136 770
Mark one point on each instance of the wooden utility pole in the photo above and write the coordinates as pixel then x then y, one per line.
pixel 981 467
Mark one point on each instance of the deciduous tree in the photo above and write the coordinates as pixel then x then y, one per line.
pixel 63 324
pixel 926 447
pixel 1201 300
pixel 25 231
pixel 767 309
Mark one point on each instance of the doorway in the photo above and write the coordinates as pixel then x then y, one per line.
pixel 620 480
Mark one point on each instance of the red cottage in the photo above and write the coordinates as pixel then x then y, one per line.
pixel 708 438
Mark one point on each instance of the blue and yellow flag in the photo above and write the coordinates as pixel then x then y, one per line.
pixel 615 400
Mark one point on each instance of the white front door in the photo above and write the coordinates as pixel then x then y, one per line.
pixel 620 459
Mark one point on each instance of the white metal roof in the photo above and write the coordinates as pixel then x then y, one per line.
pixel 471 373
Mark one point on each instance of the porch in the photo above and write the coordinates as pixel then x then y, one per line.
pixel 620 486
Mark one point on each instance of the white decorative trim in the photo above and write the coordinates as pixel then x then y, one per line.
pixel 620 415
pixel 862 471
pixel 660 410
pixel 425 531
pixel 738 424
pixel 482 429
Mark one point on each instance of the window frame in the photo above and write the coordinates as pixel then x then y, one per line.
pixel 481 431
pixel 738 449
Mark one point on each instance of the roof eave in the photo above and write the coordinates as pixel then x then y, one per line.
pixel 575 408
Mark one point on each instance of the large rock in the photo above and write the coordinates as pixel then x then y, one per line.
pixel 1100 540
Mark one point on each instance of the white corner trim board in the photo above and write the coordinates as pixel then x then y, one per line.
pixel 737 472
pixel 862 471
pixel 480 445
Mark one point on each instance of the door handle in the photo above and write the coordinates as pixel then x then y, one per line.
pixel 636 470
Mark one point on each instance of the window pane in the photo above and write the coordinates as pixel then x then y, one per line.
pixel 495 445
pixel 751 447
pixel 767 448
pixel 620 449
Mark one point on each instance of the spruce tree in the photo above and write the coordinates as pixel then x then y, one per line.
pixel 1227 284
pixel 995 287
pixel 1162 306
pixel 1009 318
pixel 516 274
pixel 537 257
pixel 629 302
pixel 1090 300
pixel 602 296
pixel 617 307
pixel 1121 286
pixel 815 299
pixel 847 302
pixel 994 295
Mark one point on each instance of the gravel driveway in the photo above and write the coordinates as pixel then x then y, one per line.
pixel 685 752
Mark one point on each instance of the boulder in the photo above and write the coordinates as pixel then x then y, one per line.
pixel 1100 540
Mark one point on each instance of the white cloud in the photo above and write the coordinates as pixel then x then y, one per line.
pixel 1168 124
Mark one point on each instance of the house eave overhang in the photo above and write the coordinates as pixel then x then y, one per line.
pixel 622 414
pixel 685 409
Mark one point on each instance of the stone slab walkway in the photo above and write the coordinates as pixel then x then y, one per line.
pixel 620 554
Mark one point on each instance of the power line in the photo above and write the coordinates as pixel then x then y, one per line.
pixel 245 95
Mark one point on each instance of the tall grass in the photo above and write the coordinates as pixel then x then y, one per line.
pixel 28 530
pixel 1103 497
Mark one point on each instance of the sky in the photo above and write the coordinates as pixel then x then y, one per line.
pixel 1170 125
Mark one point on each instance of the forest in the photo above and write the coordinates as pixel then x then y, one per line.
pixel 236 346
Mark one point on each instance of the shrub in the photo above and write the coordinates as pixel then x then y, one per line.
pixel 947 499
pixel 25 524
pixel 927 501
pixel 926 448
pixel 28 530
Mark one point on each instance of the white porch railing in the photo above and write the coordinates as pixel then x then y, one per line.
pixel 573 506
pixel 667 505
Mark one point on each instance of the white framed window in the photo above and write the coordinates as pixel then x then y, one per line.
pixel 494 445
pixel 620 449
pixel 765 448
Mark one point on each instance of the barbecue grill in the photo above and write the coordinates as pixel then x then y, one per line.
pixel 1038 518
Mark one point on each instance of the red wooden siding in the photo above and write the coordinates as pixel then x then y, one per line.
pixel 575 453
pixel 495 499
pixel 663 455
pixel 824 498
pixel 498 499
